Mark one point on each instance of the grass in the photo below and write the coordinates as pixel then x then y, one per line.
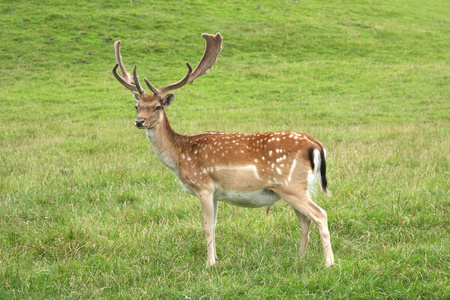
pixel 87 211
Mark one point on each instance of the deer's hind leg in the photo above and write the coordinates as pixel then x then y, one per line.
pixel 304 206
pixel 305 223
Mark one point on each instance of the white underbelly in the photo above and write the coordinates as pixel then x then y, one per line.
pixel 247 199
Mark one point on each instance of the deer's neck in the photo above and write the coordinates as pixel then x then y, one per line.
pixel 165 142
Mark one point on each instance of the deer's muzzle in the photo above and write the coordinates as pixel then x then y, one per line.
pixel 139 122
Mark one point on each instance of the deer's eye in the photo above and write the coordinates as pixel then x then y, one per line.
pixel 158 107
pixel 135 107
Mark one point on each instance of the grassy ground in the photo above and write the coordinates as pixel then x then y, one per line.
pixel 87 211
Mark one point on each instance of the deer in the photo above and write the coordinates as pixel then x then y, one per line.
pixel 247 170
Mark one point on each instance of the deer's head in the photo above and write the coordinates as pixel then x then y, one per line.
pixel 150 107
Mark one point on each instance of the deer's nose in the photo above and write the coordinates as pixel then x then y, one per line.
pixel 139 123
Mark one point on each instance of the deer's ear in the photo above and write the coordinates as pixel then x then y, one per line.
pixel 136 96
pixel 168 99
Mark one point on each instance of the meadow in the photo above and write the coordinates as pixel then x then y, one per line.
pixel 87 211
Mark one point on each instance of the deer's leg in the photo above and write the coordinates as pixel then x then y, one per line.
pixel 209 223
pixel 216 204
pixel 302 203
pixel 305 223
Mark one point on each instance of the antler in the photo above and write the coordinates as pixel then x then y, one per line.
pixel 173 86
pixel 127 81
pixel 212 51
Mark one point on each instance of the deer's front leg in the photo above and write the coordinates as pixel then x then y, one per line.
pixel 209 208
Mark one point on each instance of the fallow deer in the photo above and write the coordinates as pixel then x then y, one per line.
pixel 248 170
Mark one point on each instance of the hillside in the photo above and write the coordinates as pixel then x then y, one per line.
pixel 87 210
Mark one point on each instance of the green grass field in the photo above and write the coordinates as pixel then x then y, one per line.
pixel 88 212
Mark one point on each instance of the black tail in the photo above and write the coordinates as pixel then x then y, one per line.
pixel 323 172
pixel 323 166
